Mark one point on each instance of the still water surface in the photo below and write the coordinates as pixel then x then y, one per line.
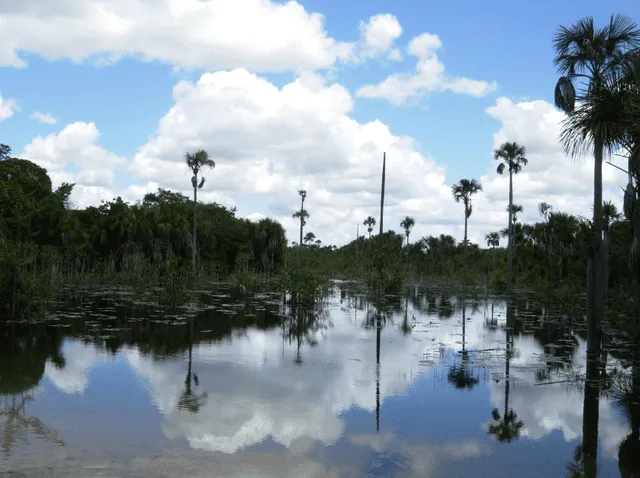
pixel 113 386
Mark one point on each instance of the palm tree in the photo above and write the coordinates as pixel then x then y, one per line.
pixel 303 215
pixel 513 157
pixel 370 222
pixel 196 162
pixel 544 209
pixel 515 210
pixel 407 223
pixel 463 192
pixel 309 237
pixel 588 59
pixel 493 241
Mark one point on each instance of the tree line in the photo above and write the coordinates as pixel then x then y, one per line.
pixel 44 240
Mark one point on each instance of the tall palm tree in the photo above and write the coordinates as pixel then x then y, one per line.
pixel 615 108
pixel 196 162
pixel 407 224
pixel 588 58
pixel 463 192
pixel 544 209
pixel 303 215
pixel 309 237
pixel 512 156
pixel 370 222
pixel 493 241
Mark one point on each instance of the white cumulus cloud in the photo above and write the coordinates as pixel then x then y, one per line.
pixel 7 107
pixel 270 141
pixel 259 34
pixel 73 156
pixel 46 118
pixel 79 359
pixel 429 76
pixel 378 35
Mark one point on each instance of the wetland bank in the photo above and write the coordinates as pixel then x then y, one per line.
pixel 171 337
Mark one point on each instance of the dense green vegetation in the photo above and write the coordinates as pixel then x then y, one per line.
pixel 44 242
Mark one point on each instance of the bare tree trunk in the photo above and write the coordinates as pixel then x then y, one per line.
pixel 301 226
pixel 384 167
pixel 193 237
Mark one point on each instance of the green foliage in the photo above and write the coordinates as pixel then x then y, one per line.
pixel 303 286
pixel 387 273
pixel 248 281
pixel 43 242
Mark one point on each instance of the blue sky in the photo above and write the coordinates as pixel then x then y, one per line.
pixel 508 43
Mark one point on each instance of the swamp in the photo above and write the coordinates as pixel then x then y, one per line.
pixel 113 383
pixel 172 336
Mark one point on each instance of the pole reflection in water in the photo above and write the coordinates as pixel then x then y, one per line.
pixel 378 334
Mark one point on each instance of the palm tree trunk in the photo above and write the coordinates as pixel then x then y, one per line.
pixel 301 226
pixel 605 267
pixel 595 269
pixel 407 252
pixel 193 237
pixel 510 235
pixel 466 219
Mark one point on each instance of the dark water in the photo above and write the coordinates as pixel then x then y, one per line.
pixel 106 388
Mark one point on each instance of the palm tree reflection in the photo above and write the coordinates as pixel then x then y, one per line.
pixel 507 426
pixel 188 400
pixel 459 374
pixel 17 423
pixel 629 393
